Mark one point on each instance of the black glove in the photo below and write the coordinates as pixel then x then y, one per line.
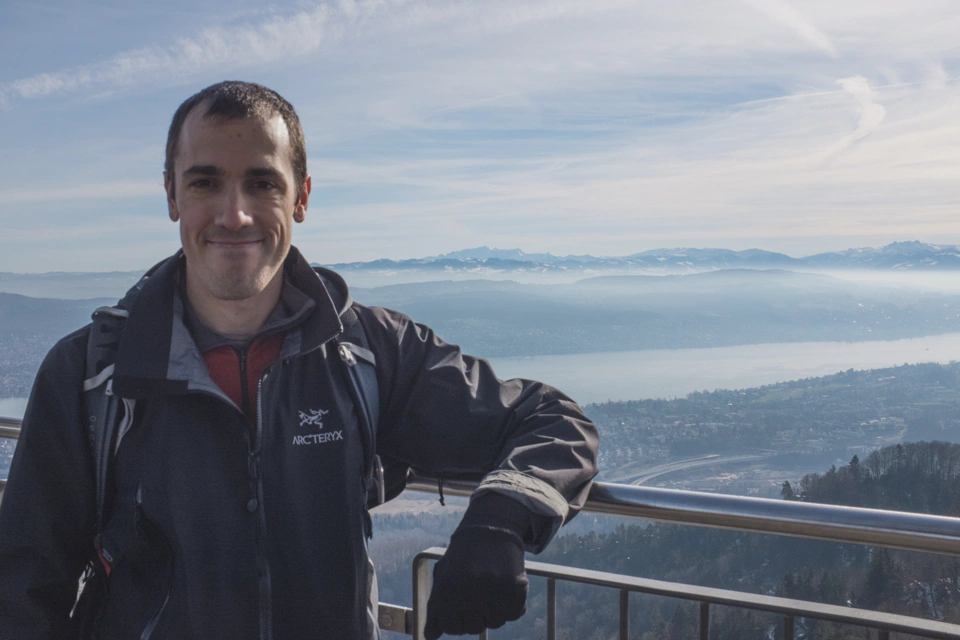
pixel 480 582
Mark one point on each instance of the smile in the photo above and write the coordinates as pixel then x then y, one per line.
pixel 233 244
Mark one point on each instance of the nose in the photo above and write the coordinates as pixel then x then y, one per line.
pixel 234 214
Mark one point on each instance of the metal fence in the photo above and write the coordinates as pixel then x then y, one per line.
pixel 911 531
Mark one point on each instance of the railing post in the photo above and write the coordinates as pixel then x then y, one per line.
pixel 624 614
pixel 704 621
pixel 551 609
pixel 787 627
pixel 421 593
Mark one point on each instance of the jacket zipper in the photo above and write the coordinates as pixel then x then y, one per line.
pixel 263 566
pixel 244 390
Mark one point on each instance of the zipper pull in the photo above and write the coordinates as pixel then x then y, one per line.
pixel 346 355
pixel 381 485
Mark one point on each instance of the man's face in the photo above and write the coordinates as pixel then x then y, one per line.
pixel 236 200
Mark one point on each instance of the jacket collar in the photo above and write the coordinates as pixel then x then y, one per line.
pixel 155 342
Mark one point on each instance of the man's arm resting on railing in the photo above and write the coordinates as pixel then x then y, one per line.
pixel 447 414
pixel 47 511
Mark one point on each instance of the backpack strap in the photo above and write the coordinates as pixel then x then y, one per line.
pixel 101 405
pixel 361 366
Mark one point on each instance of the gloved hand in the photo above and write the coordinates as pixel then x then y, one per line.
pixel 480 582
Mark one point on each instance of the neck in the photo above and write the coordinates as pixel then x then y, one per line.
pixel 234 317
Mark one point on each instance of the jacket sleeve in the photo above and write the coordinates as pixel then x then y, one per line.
pixel 447 414
pixel 47 511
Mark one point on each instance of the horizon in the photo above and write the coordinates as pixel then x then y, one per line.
pixel 582 127
pixel 496 249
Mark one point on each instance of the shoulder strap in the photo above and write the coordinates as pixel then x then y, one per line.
pixel 361 365
pixel 354 339
pixel 100 404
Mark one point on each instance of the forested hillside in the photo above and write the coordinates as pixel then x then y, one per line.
pixel 922 476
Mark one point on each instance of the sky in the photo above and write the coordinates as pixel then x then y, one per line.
pixel 605 127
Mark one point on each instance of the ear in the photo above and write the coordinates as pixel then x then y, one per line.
pixel 172 210
pixel 300 210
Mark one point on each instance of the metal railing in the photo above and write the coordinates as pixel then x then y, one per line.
pixel 9 428
pixel 897 529
pixel 911 531
pixel 705 596
pixel 915 532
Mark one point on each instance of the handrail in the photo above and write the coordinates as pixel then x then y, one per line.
pixel 9 428
pixel 897 529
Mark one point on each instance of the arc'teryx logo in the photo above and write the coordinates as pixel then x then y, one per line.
pixel 314 417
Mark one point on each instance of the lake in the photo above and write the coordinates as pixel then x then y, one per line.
pixel 12 407
pixel 668 373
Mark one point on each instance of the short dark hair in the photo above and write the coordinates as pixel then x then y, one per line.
pixel 234 99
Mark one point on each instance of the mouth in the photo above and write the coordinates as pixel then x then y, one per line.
pixel 228 244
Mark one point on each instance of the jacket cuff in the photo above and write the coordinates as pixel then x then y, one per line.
pixel 547 506
pixel 493 511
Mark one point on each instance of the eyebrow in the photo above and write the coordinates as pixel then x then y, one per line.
pixel 264 172
pixel 204 170
pixel 255 172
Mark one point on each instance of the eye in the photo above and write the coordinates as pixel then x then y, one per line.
pixel 202 183
pixel 264 185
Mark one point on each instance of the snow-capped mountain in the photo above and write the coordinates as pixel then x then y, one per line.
pixel 482 260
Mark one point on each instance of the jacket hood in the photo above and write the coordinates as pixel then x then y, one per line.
pixel 155 339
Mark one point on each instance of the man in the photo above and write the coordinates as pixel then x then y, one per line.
pixel 238 494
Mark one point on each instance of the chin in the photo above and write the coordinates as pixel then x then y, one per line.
pixel 234 286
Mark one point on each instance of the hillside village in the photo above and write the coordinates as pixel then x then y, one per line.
pixel 774 433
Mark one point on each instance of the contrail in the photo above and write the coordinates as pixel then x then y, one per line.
pixel 784 13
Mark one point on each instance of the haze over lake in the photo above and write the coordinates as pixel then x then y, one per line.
pixel 668 373
pixel 12 407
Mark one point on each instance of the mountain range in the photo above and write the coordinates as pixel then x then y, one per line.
pixel 514 264
pixel 901 256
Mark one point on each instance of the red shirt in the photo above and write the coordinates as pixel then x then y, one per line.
pixel 228 366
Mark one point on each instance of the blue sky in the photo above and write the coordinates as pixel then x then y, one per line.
pixel 569 126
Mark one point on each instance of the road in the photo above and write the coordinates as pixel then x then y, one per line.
pixel 691 463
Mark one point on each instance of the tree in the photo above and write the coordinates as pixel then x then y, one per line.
pixel 883 581
pixel 786 491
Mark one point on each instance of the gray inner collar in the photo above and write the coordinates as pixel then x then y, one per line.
pixel 291 309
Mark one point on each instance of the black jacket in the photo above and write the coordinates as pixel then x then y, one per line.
pixel 221 528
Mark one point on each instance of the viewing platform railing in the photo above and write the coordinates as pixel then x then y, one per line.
pixel 911 531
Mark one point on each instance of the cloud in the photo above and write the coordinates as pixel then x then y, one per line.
pixel 111 191
pixel 782 12
pixel 280 38
pixel 285 39
pixel 871 114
